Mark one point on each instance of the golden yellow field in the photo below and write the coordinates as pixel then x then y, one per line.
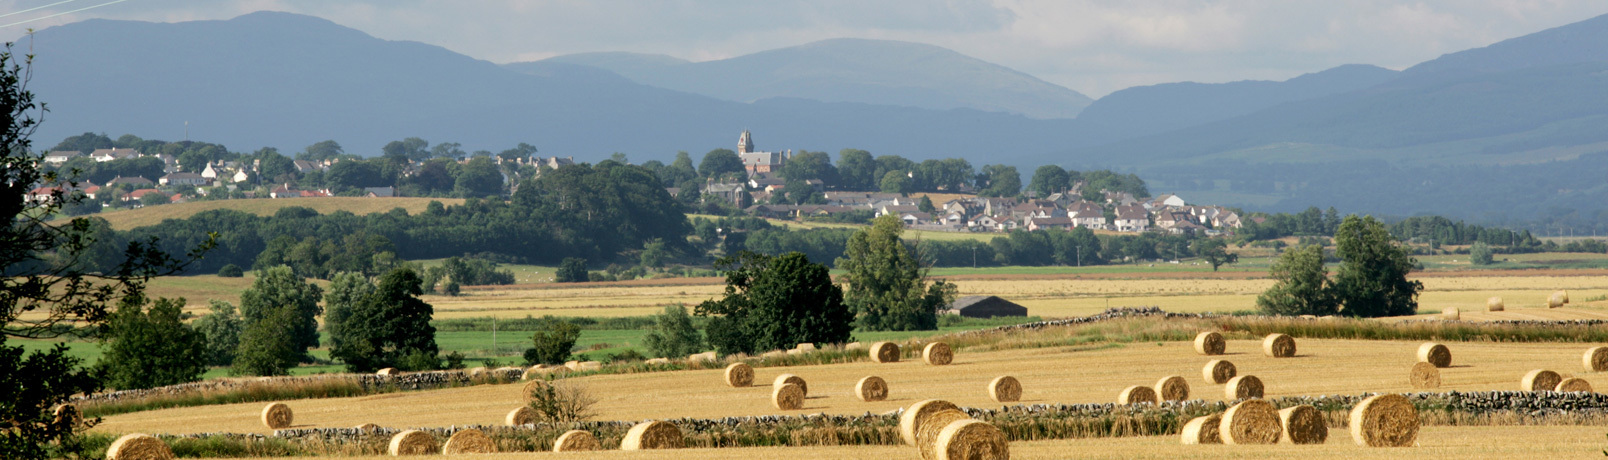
pixel 152 215
pixel 1434 442
pixel 1095 374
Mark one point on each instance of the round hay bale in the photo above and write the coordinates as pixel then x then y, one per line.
pixel 522 415
pixel 1562 295
pixel 652 434
pixel 67 413
pixel 531 388
pixel 412 442
pixel 1210 343
pixel 1434 353
pixel 1572 385
pixel 1424 376
pixel 477 371
pixel 1252 421
pixel 884 352
pixel 386 371
pixel 937 354
pixel 739 375
pixel 1554 301
pixel 576 440
pixel 1494 304
pixel 1243 387
pixel 1451 314
pixel 1278 345
pixel 871 388
pixel 971 440
pixel 787 396
pixel 469 441
pixel 138 447
pixel 1172 388
pixel 277 416
pixel 1540 380
pixel 1005 389
pixel 1218 371
pixel 1596 359
pixel 367 427
pixel 917 414
pixel 1137 394
pixel 1203 430
pixel 1304 425
pixel 927 434
pixel 793 379
pixel 1388 420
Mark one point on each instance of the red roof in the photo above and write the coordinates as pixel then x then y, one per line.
pixel 137 194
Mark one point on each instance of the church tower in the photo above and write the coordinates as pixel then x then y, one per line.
pixel 745 143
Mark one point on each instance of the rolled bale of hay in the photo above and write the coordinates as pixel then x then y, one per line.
pixel 522 415
pixel 739 375
pixel 1553 301
pixel 1494 304
pixel 1304 425
pixel 1243 387
pixel 1278 345
pixel 1596 359
pixel 658 361
pixel 1218 371
pixel 1005 389
pixel 68 414
pixel 1540 380
pixel 1574 385
pixel 854 346
pixel 469 441
pixel 477 371
pixel 530 389
pixel 386 371
pixel 652 434
pixel 1451 314
pixel 871 388
pixel 971 440
pixel 1252 421
pixel 937 354
pixel 412 442
pixel 705 356
pixel 1388 420
pixel 575 441
pixel 1210 343
pixel 787 396
pixel 1424 376
pixel 138 446
pixel 793 379
pixel 805 347
pixel 576 365
pixel 1203 430
pixel 1563 296
pixel 916 414
pixel 927 434
pixel 595 365
pixel 1434 353
pixel 1137 394
pixel 367 427
pixel 277 416
pixel 794 351
pixel 1172 388
pixel 884 352
pixel 533 372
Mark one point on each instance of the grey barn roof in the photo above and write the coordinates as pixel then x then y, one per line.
pixel 978 306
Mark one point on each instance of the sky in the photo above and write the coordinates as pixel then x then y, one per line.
pixel 1091 46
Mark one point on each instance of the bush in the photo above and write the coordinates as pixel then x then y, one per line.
pixel 626 357
pixel 571 270
pixel 1480 254
pixel 454 360
pixel 552 342
pixel 673 334
pixel 231 271
pixel 452 289
pixel 562 402
pixel 420 360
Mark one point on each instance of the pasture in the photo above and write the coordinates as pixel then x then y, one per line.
pixel 151 215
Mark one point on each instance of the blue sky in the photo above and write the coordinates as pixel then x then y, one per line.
pixel 1092 46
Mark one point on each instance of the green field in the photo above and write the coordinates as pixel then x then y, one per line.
pixel 152 215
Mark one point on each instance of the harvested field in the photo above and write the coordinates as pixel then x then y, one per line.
pixel 1323 367
pixel 152 215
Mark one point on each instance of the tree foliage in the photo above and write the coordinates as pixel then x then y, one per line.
pixel 888 286
pixel 1372 279
pixel 386 326
pixel 552 342
pixel 571 270
pixel 1303 286
pixel 221 328
pixel 148 348
pixel 673 334
pixel 775 303
pixel 1214 251
pixel 280 288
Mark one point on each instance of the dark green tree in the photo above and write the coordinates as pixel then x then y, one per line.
pixel 1214 251
pixel 653 254
pixel 680 170
pixel 280 287
pixel 925 205
pixel 1049 179
pixel 268 346
pixel 148 348
pixel 775 303
pixel 806 165
pixel 221 327
pixel 1480 254
pixel 897 181
pixel 720 162
pixel 857 170
pixel 571 270
pixel 673 335
pixel 999 180
pixel 480 178
pixel 347 292
pixel 1372 280
pixel 387 326
pixel 1303 286
pixel 552 342
pixel 230 271
pixel 888 286
pixel 324 150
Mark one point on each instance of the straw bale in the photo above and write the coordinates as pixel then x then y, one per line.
pixel 1172 388
pixel 1557 299
pixel 1574 384
pixel 277 416
pixel 1304 425
pixel 1210 343
pixel 138 446
pixel 1203 430
pixel 367 427
pixel 469 441
pixel 576 440
pixel 927 433
pixel 787 396
pixel 884 352
pixel 739 375
pixel 522 415
pixel 1243 387
pixel 854 346
pixel 972 440
pixel 1005 389
pixel 1494 304
pixel 658 361
pixel 1137 394
pixel 1434 353
pixel 1278 345
pixel 529 392
pixel 1540 380
pixel 387 371
pixel 1596 359
pixel 412 442
pixel 937 354
pixel 595 365
pixel 67 413
pixel 916 414
pixel 477 371
pixel 805 347
pixel 576 365
pixel 652 434
pixel 793 379
pixel 1424 376
pixel 1451 314
pixel 871 388
pixel 1218 371
pixel 1387 420
pixel 1252 421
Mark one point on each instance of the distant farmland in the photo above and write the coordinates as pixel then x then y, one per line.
pixel 152 215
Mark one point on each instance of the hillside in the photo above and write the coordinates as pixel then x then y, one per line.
pixel 152 215
pixel 881 72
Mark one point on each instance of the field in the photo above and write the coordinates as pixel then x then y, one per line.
pixel 152 215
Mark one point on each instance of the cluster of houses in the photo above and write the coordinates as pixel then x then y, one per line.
pixel 1119 212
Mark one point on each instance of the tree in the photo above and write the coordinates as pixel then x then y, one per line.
pixel 403 151
pixel 480 178
pixel 999 180
pixel 1480 254
pixel 887 285
pixel 280 288
pixel 775 303
pixel 679 171
pixel 352 174
pixel 387 326
pixel 221 328
pixel 347 292
pixel 806 165
pixel 720 162
pixel 673 335
pixel 268 346
pixel 925 205
pixel 1303 286
pixel 324 150
pixel 552 342
pixel 653 254
pixel 571 270
pixel 1049 179
pixel 151 348
pixel 897 181
pixel 1214 251
pixel 230 271
pixel 857 170
pixel 1372 280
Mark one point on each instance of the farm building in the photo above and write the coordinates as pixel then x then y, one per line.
pixel 978 306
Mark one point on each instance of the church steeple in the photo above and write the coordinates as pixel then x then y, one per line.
pixel 745 143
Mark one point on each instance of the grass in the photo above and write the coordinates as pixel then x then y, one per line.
pixel 152 215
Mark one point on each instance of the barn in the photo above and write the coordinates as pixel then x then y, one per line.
pixel 980 306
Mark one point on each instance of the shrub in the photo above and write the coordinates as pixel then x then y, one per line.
pixel 561 402
pixel 673 334
pixel 552 342
pixel 1480 254
pixel 231 271
pixel 571 270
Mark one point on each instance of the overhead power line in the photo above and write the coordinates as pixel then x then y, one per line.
pixel 62 13
pixel 14 13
